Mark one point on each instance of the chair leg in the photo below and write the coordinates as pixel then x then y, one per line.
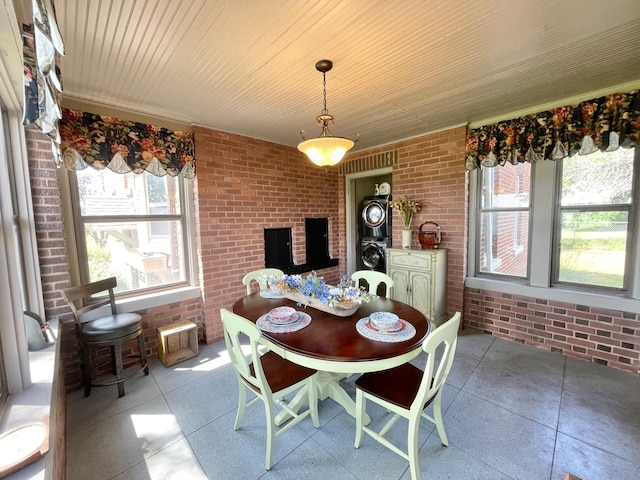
pixel 361 404
pixel 143 353
pixel 268 408
pixel 86 370
pixel 117 352
pixel 242 404
pixel 412 447
pixel 437 416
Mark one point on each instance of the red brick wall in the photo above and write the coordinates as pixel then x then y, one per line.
pixel 431 170
pixel 602 336
pixel 244 185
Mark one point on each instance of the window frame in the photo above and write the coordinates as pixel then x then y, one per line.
pixel 79 264
pixel 544 185
pixel 497 210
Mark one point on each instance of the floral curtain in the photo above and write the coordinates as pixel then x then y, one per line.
pixel 41 49
pixel 604 123
pixel 124 146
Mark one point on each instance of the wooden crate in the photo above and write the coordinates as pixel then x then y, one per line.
pixel 177 342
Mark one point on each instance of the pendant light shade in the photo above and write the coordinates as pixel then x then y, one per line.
pixel 325 150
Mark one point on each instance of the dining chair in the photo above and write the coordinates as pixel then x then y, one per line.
pixel 99 325
pixel 269 376
pixel 406 391
pixel 374 279
pixel 260 276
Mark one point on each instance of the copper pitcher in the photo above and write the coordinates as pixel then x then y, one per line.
pixel 429 239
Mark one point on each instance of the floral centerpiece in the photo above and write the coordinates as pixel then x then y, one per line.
pixel 342 299
pixel 407 208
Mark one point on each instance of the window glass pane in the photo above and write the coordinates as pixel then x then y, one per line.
pixel 601 178
pixel 593 247
pixel 103 192
pixel 506 187
pixel 139 254
pixel 504 238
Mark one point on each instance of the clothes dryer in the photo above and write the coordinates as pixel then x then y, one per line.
pixel 376 216
pixel 373 253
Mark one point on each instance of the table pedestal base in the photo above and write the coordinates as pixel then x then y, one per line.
pixel 328 387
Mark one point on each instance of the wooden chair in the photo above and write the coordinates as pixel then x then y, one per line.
pixel 406 391
pixel 259 276
pixel 98 327
pixel 269 376
pixel 374 279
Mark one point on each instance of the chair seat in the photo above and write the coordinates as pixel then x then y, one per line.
pixel 398 385
pixel 280 373
pixel 122 324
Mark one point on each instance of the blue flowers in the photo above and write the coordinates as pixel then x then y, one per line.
pixel 314 286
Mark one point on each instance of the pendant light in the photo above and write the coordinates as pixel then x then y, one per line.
pixel 325 150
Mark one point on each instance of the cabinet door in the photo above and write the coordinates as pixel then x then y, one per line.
pixel 401 285
pixel 421 294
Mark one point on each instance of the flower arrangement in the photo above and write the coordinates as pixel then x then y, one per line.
pixel 407 208
pixel 343 295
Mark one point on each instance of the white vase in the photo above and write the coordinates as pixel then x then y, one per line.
pixel 406 238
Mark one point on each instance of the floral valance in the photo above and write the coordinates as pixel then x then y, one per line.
pixel 124 146
pixel 604 123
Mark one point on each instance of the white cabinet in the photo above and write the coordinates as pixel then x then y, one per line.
pixel 420 278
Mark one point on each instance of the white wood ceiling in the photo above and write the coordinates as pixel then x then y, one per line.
pixel 401 68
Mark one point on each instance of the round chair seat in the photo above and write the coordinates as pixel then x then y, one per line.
pixel 121 324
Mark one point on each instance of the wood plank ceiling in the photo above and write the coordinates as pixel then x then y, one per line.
pixel 401 69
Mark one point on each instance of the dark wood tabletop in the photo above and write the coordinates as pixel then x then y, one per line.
pixel 333 338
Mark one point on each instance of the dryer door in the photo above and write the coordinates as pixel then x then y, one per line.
pixel 374 214
pixel 372 256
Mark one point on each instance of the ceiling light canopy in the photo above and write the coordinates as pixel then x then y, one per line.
pixel 325 150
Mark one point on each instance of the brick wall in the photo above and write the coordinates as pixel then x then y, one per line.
pixel 431 169
pixel 602 336
pixel 243 186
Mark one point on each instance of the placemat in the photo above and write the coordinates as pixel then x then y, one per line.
pixel 407 332
pixel 265 325
pixel 270 294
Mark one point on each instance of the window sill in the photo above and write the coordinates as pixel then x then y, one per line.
pixel 33 404
pixel 157 299
pixel 589 299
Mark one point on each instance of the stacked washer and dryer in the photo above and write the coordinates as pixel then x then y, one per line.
pixel 376 232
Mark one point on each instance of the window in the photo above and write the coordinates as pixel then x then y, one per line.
pixel 566 224
pixel 594 219
pixel 131 226
pixel 504 220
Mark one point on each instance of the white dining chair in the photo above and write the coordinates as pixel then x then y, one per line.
pixel 269 376
pixel 260 276
pixel 406 391
pixel 374 279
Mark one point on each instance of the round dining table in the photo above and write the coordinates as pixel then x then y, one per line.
pixel 332 345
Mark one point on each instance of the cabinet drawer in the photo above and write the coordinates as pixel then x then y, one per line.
pixel 410 260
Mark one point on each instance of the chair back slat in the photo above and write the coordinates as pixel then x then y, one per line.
pixel 260 277
pixel 234 327
pixel 374 279
pixel 440 347
pixel 82 303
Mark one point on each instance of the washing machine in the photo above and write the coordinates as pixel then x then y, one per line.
pixel 376 216
pixel 373 253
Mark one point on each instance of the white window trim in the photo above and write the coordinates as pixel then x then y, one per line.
pixel 165 296
pixel 541 248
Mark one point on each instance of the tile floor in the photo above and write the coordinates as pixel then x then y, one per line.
pixel 512 412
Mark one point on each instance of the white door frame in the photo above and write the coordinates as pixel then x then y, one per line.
pixel 352 214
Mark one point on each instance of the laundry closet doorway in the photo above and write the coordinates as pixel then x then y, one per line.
pixel 359 186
